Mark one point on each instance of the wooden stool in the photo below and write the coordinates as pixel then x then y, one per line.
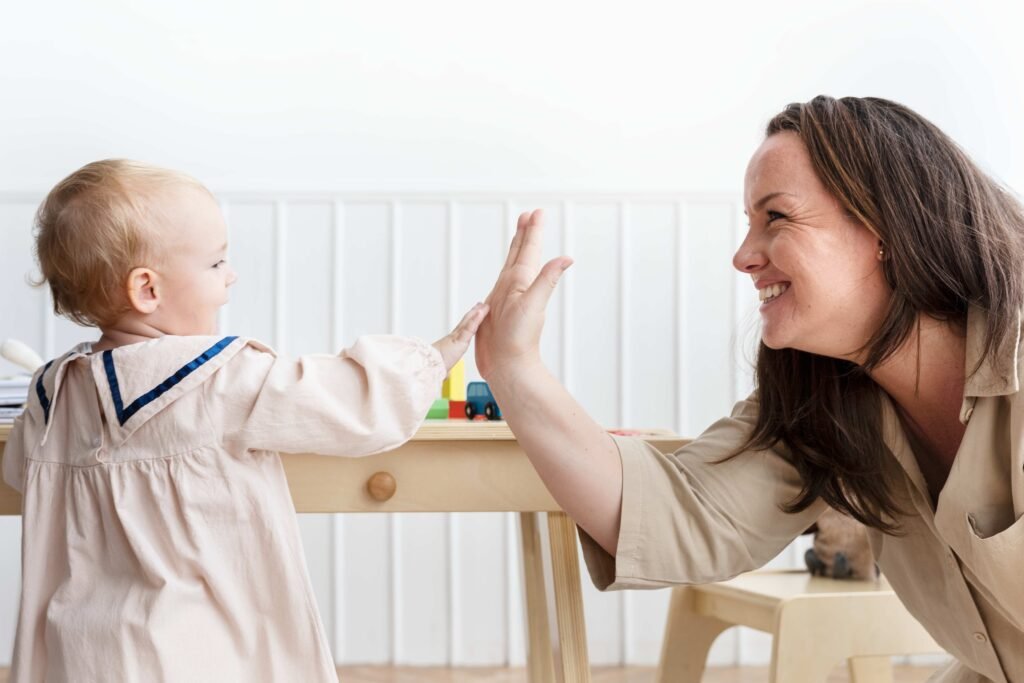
pixel 816 623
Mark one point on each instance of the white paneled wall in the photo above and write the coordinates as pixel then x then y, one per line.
pixel 643 331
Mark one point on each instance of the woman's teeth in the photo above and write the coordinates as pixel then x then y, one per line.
pixel 772 291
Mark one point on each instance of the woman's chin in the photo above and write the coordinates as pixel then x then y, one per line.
pixel 776 341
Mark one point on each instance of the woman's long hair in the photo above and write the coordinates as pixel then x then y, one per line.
pixel 953 237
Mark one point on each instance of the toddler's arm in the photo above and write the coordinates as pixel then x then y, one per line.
pixel 369 398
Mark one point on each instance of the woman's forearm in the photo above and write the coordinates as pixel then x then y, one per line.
pixel 575 457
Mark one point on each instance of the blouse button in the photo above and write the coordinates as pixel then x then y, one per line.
pixel 381 486
pixel 980 637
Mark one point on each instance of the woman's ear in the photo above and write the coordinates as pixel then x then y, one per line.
pixel 143 290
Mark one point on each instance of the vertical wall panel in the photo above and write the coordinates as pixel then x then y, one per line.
pixel 22 312
pixel 366 269
pixel 595 378
pixel 652 326
pixel 424 625
pixel 309 265
pixel 708 268
pixel 364 619
pixel 10 583
pixel 595 302
pixel 651 381
pixel 366 616
pixel 23 308
pixel 251 252
pixel 305 324
pixel 479 231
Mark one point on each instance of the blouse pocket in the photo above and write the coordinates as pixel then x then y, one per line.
pixel 998 562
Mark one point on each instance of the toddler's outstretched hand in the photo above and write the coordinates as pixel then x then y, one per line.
pixel 454 344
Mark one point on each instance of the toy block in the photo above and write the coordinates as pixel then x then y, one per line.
pixel 439 410
pixel 454 387
pixel 456 410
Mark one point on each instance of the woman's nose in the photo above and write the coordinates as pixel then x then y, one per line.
pixel 749 257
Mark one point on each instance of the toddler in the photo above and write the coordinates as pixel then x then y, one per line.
pixel 160 542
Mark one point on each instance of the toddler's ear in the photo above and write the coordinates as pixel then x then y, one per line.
pixel 142 290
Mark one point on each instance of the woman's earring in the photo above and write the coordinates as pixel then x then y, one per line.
pixel 881 253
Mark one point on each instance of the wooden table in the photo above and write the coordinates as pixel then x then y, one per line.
pixel 463 466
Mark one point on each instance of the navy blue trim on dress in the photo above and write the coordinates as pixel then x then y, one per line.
pixel 41 393
pixel 124 414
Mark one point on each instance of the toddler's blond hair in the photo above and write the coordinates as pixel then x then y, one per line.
pixel 93 229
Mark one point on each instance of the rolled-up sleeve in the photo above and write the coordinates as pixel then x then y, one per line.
pixel 689 517
pixel 369 398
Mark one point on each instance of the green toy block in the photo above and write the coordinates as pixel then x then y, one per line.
pixel 439 410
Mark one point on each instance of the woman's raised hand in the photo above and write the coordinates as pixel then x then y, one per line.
pixel 509 338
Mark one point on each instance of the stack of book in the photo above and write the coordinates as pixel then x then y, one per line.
pixel 13 395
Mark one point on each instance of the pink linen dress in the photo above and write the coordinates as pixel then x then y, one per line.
pixel 160 542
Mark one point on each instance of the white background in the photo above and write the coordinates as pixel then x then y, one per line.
pixel 632 123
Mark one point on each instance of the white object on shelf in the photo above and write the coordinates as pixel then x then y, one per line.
pixel 21 354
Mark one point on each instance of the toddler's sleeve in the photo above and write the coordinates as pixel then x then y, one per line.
pixel 369 398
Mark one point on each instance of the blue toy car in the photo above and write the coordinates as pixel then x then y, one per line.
pixel 480 401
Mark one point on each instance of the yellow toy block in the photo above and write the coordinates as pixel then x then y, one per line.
pixel 454 387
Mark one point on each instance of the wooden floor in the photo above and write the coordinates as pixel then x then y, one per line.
pixel 600 675
pixel 745 674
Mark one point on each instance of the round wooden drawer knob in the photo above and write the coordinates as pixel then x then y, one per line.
pixel 381 486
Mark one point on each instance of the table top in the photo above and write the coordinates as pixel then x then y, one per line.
pixel 491 430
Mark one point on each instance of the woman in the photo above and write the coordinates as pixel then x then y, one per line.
pixel 891 271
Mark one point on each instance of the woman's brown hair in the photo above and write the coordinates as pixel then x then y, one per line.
pixel 953 238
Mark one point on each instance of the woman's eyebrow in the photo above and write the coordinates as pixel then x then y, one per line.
pixel 759 204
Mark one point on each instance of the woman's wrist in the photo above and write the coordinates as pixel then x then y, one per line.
pixel 506 377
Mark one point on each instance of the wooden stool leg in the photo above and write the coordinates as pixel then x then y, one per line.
pixel 870 669
pixel 540 663
pixel 801 651
pixel 562 573
pixel 687 640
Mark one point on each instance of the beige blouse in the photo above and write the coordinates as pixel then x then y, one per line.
pixel 160 542
pixel 959 568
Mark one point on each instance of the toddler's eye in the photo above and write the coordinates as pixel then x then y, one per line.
pixel 220 263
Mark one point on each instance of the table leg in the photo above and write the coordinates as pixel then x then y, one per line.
pixel 554 600
pixel 540 662
pixel 687 640
pixel 572 664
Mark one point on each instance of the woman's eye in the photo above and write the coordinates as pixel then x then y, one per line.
pixel 774 215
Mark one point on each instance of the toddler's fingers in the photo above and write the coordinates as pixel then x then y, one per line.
pixel 470 323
